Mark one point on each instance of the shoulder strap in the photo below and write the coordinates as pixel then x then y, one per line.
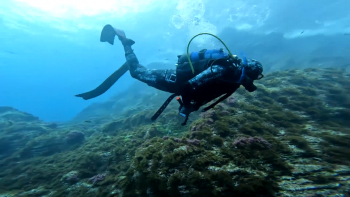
pixel 218 101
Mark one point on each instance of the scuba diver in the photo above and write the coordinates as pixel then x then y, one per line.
pixel 198 78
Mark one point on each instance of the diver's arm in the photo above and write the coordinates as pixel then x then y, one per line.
pixel 249 85
pixel 200 81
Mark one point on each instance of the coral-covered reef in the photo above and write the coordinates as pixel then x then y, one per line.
pixel 289 138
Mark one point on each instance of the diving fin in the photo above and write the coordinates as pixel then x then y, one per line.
pixel 106 84
pixel 108 33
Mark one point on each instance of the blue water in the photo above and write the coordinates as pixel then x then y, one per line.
pixel 47 57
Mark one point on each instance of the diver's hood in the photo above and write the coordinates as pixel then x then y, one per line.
pixel 254 69
pixel 246 79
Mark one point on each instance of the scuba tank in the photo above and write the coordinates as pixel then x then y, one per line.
pixel 200 61
pixel 203 54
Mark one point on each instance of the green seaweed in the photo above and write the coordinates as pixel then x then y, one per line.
pixel 322 179
pixel 290 92
pixel 204 133
pixel 298 80
pixel 257 128
pixel 337 155
pixel 343 140
pixel 216 140
pixel 308 91
pixel 283 100
pixel 222 128
pixel 139 165
pixel 302 144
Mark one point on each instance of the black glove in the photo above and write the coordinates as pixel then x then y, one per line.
pixel 248 84
pixel 250 87
pixel 185 111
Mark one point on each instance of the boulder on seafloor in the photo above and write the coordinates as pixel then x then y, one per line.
pixel 70 177
pixel 17 129
pixel 183 167
pixel 12 114
pixel 112 127
pixel 151 132
pixel 26 136
pixel 75 137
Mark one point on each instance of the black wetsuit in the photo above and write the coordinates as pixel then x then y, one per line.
pixel 202 88
pixel 213 75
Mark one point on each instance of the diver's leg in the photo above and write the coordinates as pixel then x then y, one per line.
pixel 156 78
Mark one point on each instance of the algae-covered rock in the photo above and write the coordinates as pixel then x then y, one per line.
pixel 177 167
pixel 75 137
pixel 288 138
pixel 70 177
pixel 12 114
pixel 17 129
pixel 112 126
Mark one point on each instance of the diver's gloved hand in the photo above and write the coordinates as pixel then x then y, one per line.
pixel 248 84
pixel 251 88
pixel 185 111
pixel 186 91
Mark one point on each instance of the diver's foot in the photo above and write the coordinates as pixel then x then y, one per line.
pixel 122 37
pixel 127 42
pixel 120 33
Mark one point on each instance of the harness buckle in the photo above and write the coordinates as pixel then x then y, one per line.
pixel 171 78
